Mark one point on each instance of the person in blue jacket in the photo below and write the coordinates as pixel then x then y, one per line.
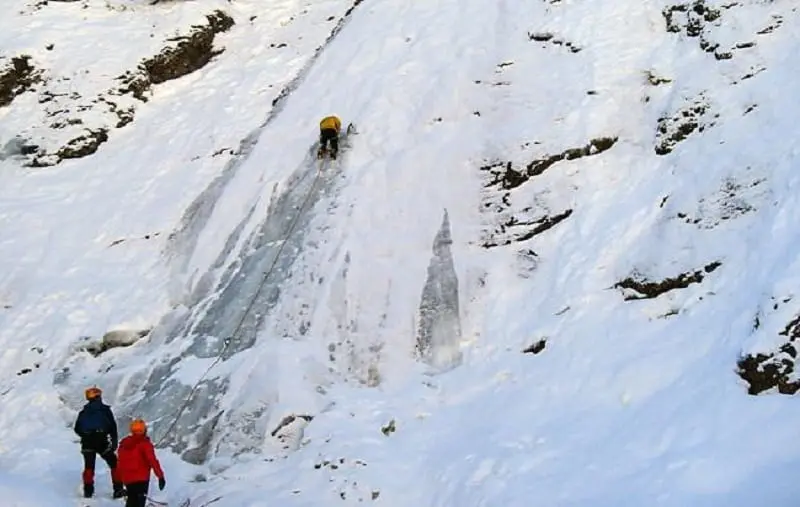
pixel 97 429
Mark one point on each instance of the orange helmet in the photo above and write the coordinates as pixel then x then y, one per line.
pixel 138 427
pixel 93 392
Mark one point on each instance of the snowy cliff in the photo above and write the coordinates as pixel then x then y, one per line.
pixel 554 264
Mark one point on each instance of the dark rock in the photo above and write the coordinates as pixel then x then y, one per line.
pixel 536 347
pixel 17 78
pixel 646 289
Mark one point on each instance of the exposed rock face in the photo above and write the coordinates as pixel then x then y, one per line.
pixel 17 77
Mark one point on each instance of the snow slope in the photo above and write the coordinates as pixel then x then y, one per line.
pixel 608 185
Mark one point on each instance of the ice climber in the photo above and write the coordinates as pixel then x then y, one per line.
pixel 97 429
pixel 137 458
pixel 329 129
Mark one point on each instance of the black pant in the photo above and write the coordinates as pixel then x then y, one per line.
pixel 329 135
pixel 137 494
pixel 92 445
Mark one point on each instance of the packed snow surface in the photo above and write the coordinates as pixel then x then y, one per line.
pixel 553 231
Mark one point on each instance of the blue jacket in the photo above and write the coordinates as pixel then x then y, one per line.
pixel 96 416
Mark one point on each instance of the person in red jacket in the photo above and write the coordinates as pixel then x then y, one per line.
pixel 136 457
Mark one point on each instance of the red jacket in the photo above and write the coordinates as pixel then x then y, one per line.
pixel 136 458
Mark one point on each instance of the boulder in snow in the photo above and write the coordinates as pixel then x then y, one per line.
pixel 289 432
pixel 111 340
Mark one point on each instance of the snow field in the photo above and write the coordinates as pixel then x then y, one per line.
pixel 630 403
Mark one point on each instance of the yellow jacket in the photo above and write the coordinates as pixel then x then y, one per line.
pixel 330 122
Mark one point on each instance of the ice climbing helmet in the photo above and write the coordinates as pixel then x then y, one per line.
pixel 138 427
pixel 93 392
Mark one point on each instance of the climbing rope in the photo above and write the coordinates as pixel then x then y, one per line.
pixel 236 329
pixel 249 307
